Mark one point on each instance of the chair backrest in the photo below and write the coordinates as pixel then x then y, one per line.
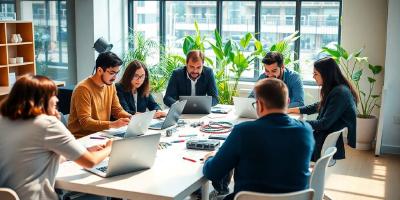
pixel 317 179
pixel 300 195
pixel 331 140
pixel 64 99
pixel 8 194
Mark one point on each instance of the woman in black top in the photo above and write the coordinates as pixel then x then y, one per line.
pixel 336 110
pixel 133 90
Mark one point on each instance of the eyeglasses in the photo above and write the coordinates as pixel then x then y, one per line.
pixel 112 73
pixel 137 77
pixel 254 104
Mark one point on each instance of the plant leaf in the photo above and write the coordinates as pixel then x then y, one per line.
pixel 188 44
pixel 375 96
pixel 228 48
pixel 245 41
pixel 218 39
pixel 218 52
pixel 363 93
pixel 331 52
pixel 376 69
pixel 371 80
pixel 357 75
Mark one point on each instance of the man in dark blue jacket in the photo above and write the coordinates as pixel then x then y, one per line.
pixel 271 154
pixel 192 80
pixel 274 68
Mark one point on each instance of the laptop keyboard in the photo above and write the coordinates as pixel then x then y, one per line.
pixel 102 169
pixel 157 125
pixel 119 135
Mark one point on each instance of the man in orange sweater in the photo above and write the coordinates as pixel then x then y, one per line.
pixel 95 100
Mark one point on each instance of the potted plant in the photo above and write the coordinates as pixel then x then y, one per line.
pixel 353 66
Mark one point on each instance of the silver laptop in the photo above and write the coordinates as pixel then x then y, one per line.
pixel 172 117
pixel 197 104
pixel 129 155
pixel 244 107
pixel 138 125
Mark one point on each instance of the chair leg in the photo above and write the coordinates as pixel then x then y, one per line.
pixel 326 197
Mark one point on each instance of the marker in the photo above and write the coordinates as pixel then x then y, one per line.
pixel 177 141
pixel 188 159
pixel 188 135
pixel 99 138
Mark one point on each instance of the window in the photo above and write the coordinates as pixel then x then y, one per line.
pixel 238 19
pixel 146 21
pixel 320 28
pixel 51 36
pixel 7 10
pixel 318 23
pixel 180 18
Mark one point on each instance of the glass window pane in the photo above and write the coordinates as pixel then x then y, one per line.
pixel 277 22
pixel 146 20
pixel 319 27
pixel 7 10
pixel 51 36
pixel 180 18
pixel 239 19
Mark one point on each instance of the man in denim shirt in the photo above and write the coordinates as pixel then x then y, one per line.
pixel 274 67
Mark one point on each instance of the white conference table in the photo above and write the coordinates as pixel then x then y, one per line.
pixel 171 177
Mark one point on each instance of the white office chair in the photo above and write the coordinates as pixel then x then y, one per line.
pixel 8 194
pixel 330 141
pixel 317 179
pixel 300 195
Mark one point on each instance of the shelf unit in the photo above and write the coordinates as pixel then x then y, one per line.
pixel 25 49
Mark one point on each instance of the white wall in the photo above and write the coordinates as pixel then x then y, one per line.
pixel 95 19
pixel 390 125
pixel 364 26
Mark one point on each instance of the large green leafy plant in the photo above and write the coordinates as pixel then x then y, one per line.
pixel 353 65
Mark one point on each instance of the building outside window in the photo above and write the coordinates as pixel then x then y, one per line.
pixel 51 36
pixel 318 21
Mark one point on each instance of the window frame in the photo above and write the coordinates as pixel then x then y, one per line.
pixel 257 14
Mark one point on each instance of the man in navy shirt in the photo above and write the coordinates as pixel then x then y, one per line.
pixel 271 154
pixel 274 67
pixel 192 80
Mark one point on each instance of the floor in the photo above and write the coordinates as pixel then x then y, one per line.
pixel 363 176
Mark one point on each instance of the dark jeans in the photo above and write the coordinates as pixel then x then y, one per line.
pixel 221 186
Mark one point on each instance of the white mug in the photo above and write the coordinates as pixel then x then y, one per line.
pixel 19 59
pixel 12 60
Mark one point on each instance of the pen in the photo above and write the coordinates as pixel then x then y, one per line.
pixel 188 135
pixel 99 138
pixel 188 159
pixel 177 141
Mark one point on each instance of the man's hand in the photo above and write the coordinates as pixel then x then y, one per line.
pixel 294 110
pixel 119 123
pixel 159 114
pixel 208 155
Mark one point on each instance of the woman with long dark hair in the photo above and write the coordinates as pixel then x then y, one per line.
pixel 33 140
pixel 133 90
pixel 337 108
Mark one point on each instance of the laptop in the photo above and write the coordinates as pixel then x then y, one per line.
pixel 172 117
pixel 244 107
pixel 197 104
pixel 129 155
pixel 138 125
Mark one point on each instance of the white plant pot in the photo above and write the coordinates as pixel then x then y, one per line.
pixel 366 130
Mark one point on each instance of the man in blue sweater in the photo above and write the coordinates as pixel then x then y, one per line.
pixel 274 68
pixel 192 80
pixel 271 154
